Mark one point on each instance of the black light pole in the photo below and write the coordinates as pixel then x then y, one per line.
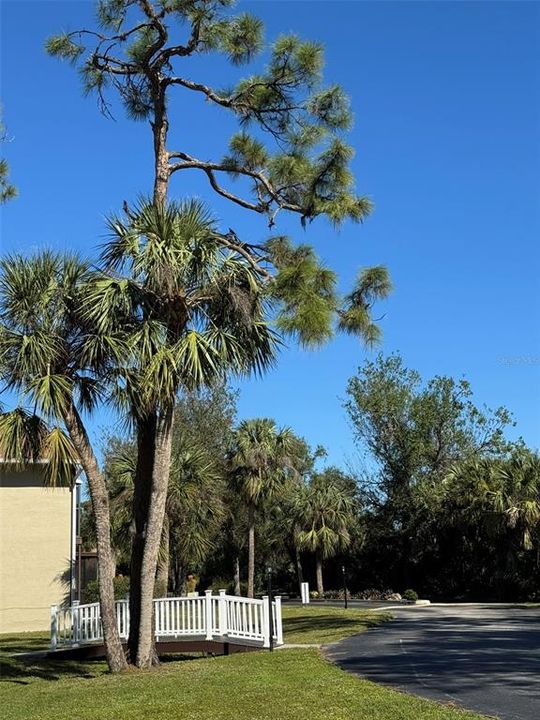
pixel 270 619
pixel 343 570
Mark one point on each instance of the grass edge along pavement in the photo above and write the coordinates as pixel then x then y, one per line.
pixel 251 686
pixel 324 624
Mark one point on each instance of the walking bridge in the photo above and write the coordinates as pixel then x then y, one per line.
pixel 207 622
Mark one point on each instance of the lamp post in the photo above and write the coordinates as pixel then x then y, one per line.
pixel 270 619
pixel 344 571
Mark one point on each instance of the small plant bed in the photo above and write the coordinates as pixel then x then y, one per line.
pixel 251 686
pixel 322 625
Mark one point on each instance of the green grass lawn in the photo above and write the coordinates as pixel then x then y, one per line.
pixel 283 685
pixel 321 625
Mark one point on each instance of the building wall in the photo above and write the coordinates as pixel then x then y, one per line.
pixel 35 536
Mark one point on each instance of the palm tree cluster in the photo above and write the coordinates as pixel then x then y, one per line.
pixel 257 483
pixel 169 308
pixel 173 304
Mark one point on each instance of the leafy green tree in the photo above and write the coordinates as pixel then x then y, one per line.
pixel 414 433
pixel 326 513
pixel 260 462
pixel 56 362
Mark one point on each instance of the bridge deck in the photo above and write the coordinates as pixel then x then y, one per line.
pixel 202 622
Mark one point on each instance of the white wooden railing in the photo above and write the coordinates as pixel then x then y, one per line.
pixel 208 617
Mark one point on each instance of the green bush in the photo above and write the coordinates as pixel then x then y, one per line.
pixel 228 585
pixel 410 595
pixel 91 591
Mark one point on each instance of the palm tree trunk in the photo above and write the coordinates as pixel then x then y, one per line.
pixel 237 589
pixel 141 501
pixel 99 495
pixel 154 527
pixel 251 551
pixel 162 575
pixel 319 564
pixel 299 569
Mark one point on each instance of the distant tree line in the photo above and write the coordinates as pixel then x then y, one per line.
pixel 445 504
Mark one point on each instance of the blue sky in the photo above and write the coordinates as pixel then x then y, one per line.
pixel 446 98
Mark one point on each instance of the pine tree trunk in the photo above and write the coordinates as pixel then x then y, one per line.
pixel 320 584
pixel 99 495
pixel 162 575
pixel 237 588
pixel 251 552
pixel 160 128
pixel 154 527
pixel 141 501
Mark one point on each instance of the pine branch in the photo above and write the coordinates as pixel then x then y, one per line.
pixel 210 168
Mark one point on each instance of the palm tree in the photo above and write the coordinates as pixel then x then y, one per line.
pixel 260 462
pixel 57 362
pixel 195 310
pixel 500 493
pixel 194 509
pixel 325 512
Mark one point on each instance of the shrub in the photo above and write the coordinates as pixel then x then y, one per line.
pixel 336 595
pixel 91 591
pixel 410 595
pixel 228 585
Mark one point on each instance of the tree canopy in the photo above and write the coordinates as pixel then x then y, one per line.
pixel 289 148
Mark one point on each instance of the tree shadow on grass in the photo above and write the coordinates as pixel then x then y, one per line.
pixel 25 670
pixel 24 659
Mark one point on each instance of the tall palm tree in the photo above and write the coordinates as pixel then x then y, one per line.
pixel 260 462
pixel 195 310
pixel 57 363
pixel 325 512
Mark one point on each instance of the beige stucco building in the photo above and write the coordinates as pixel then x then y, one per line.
pixel 36 548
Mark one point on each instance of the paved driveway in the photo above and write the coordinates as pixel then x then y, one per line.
pixel 486 658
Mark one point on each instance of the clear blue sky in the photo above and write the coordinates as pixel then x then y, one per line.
pixel 447 132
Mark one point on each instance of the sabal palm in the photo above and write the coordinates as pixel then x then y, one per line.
pixel 260 463
pixel 56 361
pixel 194 509
pixel 500 492
pixel 325 512
pixel 194 311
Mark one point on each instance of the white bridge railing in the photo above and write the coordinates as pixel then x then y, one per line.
pixel 222 617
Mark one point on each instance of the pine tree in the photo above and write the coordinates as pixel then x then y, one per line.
pixel 288 154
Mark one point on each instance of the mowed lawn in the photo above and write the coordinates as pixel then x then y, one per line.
pixel 319 624
pixel 283 685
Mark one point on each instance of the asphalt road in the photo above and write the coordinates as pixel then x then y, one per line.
pixel 485 658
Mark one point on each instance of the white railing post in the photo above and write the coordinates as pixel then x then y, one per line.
pixel 279 626
pixel 304 588
pixel 54 626
pixel 265 622
pixel 75 630
pixel 208 613
pixel 222 624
